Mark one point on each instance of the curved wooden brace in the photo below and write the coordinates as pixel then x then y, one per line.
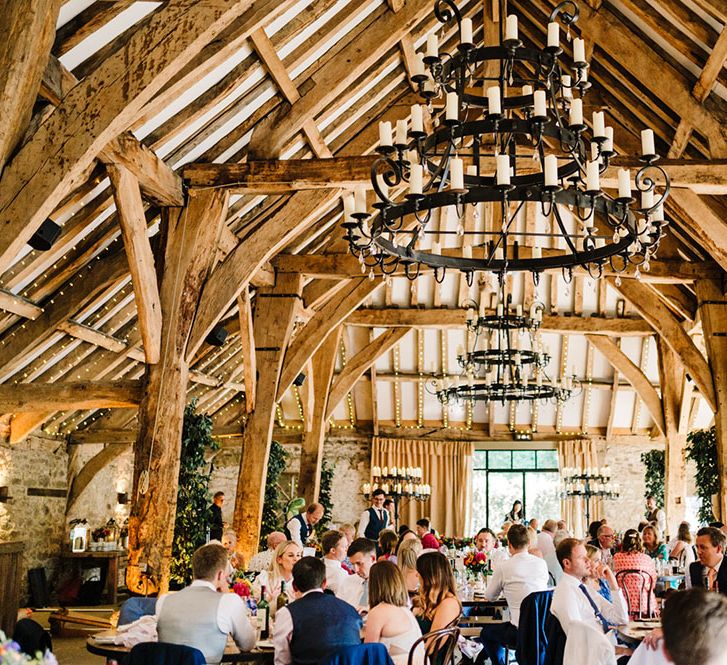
pixel 90 469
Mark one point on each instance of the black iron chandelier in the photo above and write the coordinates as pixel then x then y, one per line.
pixel 506 140
pixel 500 367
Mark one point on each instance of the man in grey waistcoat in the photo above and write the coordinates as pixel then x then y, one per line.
pixel 203 614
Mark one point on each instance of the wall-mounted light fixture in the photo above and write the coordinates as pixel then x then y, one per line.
pixel 122 498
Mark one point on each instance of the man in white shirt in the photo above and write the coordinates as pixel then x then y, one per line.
pixel 516 578
pixel 316 624
pixel 655 515
pixel 355 589
pixel 375 519
pixel 486 541
pixel 573 601
pixel 203 614
pixel 300 526
pixel 547 547
pixel 261 561
pixel 334 546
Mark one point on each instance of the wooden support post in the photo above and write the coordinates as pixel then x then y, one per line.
pixel 311 453
pixel 713 311
pixel 247 344
pixel 672 378
pixel 192 234
pixel 274 314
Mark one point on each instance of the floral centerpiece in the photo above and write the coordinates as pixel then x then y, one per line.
pixel 10 654
pixel 454 543
pixel 242 587
pixel 476 562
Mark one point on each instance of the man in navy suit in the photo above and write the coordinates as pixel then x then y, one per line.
pixel 708 572
pixel 315 625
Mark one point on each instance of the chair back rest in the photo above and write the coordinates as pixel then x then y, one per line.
pixel 643 583
pixel 373 653
pixel 532 639
pixel 134 608
pixel 163 653
pixel 556 641
pixel 439 645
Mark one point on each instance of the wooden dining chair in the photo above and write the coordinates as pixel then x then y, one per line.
pixel 439 645
pixel 643 583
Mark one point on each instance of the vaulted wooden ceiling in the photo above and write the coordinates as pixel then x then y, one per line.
pixel 125 104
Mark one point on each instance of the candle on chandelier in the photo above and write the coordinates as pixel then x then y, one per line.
pixel 511 28
pixel 452 112
pixel 519 310
pixel 360 200
pixel 416 176
pixel 527 90
pixel 500 309
pixel 367 488
pixel 553 35
pixel 385 133
pixel 472 169
pixel 647 199
pixel 579 50
pixel 541 109
pixel 592 177
pixel 432 46
pixel 418 66
pixel 456 173
pixel 566 86
pixel 551 176
pixel 503 169
pixel 647 142
pixel 537 252
pixel 658 213
pixel 392 471
pixel 465 34
pixel 417 118
pixel 401 132
pixel 385 471
pixel 624 183
pixel 575 116
pixel 599 124
pixel 493 100
pixel 376 471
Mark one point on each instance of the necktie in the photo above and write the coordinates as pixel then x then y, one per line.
pixel 604 622
pixel 381 515
pixel 711 579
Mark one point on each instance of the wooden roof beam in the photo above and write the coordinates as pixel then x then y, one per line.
pixel 457 318
pixel 31 397
pixel 97 110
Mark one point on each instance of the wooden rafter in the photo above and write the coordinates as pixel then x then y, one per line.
pixel 32 397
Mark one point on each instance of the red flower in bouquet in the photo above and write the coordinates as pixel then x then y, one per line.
pixel 242 588
pixel 476 562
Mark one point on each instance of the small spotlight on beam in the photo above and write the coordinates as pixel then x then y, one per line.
pixel 299 380
pixel 217 336
pixel 44 238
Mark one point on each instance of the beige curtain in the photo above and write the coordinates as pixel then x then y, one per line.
pixel 578 453
pixel 446 466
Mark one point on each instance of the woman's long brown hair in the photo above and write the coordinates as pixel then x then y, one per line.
pixel 437 582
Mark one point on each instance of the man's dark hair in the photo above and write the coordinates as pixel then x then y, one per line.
pixel 388 502
pixel 564 550
pixel 329 540
pixel 308 573
pixel 651 497
pixel 695 626
pixel 313 507
pixel 207 560
pixel 363 545
pixel 378 492
pixel 217 495
pixel 518 536
pixel 486 529
pixel 716 537
pixel 423 522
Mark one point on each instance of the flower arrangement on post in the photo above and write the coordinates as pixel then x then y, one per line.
pixel 10 654
pixel 455 543
pixel 476 562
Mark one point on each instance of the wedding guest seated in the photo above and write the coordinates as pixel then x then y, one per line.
pixel 486 541
pixel 389 620
pixel 334 546
pixel 708 571
pixel 562 526
pixel 203 614
pixel 315 625
pixel 652 544
pixel 533 524
pixel 632 557
pixel 438 606
pixel 595 581
pixel 515 578
pixel 405 533
pixel 429 540
pixel 572 601
pixel 279 574
pixel 682 548
pixel 262 560
pixel 355 589
pixel 546 544
pixel 604 541
pixel 593 528
pixel 348 530
pixel 406 560
pixel 533 547
pixel 387 545
pixel 693 629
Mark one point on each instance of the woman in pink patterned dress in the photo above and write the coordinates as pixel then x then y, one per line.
pixel 632 557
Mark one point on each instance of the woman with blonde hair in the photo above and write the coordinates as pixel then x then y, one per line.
pixel 595 579
pixel 406 560
pixel 280 573
pixel 652 545
pixel 389 619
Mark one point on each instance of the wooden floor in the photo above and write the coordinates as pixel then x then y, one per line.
pixel 72 651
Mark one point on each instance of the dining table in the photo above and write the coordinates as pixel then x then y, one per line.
pixel 634 632
pixel 262 652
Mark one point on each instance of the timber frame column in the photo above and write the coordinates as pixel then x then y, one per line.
pixel 275 309
pixel 712 303
pixel 192 234
pixel 311 453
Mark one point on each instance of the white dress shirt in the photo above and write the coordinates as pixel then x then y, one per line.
pixel 366 518
pixel 283 632
pixel 354 590
pixel 570 604
pixel 335 574
pixel 497 556
pixel 293 526
pixel 517 577
pixel 261 561
pixel 231 616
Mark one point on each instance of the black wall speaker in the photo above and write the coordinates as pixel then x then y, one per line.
pixel 217 336
pixel 299 380
pixel 44 238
